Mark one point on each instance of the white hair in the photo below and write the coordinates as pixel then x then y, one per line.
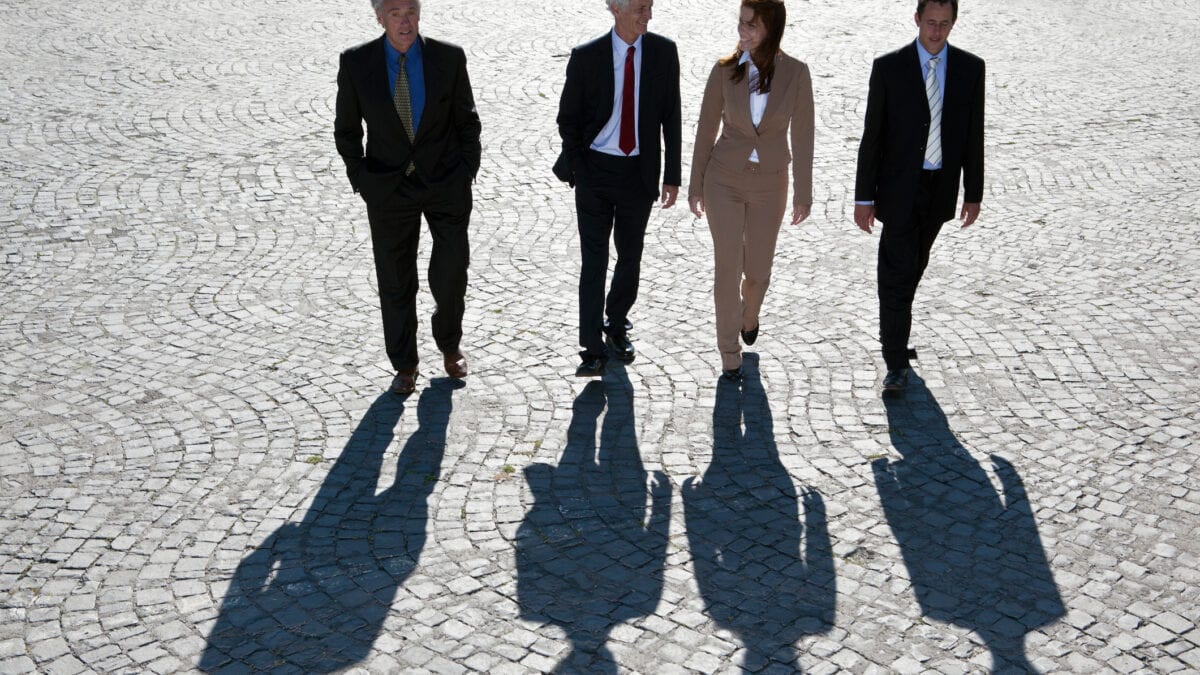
pixel 376 4
pixel 617 4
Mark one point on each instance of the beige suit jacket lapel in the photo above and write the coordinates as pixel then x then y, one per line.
pixel 739 104
pixel 783 78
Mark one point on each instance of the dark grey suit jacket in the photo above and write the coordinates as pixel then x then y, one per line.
pixel 892 151
pixel 586 106
pixel 446 148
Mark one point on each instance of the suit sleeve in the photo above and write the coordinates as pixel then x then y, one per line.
pixel 347 123
pixel 973 159
pixel 673 126
pixel 712 108
pixel 571 114
pixel 465 118
pixel 803 133
pixel 870 149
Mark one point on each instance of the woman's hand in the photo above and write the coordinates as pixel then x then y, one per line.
pixel 800 213
pixel 696 204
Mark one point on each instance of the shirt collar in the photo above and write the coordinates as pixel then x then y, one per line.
pixel 621 48
pixel 393 55
pixel 746 59
pixel 924 54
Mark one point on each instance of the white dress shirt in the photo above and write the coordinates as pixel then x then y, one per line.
pixel 758 100
pixel 608 140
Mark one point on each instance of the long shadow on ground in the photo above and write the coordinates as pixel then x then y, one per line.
pixel 765 573
pixel 313 597
pixel 974 555
pixel 589 557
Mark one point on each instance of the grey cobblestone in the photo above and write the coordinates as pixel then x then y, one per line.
pixel 198 472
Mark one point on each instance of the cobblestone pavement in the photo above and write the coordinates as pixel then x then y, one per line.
pixel 200 469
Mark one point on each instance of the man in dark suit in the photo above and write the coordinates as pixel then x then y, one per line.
pixel 620 99
pixel 923 133
pixel 421 158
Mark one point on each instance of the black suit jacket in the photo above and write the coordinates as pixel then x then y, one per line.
pixel 446 147
pixel 892 151
pixel 587 105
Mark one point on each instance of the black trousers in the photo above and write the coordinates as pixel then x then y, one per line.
pixel 610 200
pixel 395 229
pixel 903 255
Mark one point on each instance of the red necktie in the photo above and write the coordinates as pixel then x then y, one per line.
pixel 628 136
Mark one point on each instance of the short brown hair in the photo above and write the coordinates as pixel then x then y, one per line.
pixel 953 6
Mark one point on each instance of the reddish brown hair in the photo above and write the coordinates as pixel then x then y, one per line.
pixel 773 16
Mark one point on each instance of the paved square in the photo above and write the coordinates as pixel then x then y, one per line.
pixel 200 470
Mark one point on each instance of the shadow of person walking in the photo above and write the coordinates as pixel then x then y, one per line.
pixel 588 557
pixel 746 536
pixel 974 556
pixel 313 596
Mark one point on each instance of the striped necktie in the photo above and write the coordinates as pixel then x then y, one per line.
pixel 933 147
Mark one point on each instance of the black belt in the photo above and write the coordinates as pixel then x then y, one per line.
pixel 604 158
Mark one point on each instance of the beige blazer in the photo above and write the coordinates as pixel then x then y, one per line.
pixel 727 104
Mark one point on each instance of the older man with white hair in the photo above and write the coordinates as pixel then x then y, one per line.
pixel 421 157
pixel 619 104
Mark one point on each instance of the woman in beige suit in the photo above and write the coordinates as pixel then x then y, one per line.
pixel 741 179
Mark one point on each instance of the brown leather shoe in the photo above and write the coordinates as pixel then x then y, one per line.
pixel 455 363
pixel 405 382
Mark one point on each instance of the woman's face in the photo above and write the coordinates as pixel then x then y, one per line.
pixel 750 31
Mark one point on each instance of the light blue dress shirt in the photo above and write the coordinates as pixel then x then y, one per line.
pixel 941 79
pixel 924 56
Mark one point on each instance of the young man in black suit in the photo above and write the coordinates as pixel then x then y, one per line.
pixel 923 132
pixel 421 158
pixel 620 99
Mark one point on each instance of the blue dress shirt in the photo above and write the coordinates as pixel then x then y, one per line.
pixel 415 67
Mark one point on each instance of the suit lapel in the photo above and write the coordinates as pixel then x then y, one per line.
pixel 380 89
pixel 739 99
pixel 377 73
pixel 952 77
pixel 434 81
pixel 779 84
pixel 913 67
pixel 647 67
pixel 604 60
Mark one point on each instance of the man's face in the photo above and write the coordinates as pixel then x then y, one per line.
pixel 634 20
pixel 933 26
pixel 399 19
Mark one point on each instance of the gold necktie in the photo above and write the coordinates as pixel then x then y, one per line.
pixel 403 103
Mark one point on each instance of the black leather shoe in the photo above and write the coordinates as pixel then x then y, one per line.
pixel 628 325
pixel 620 347
pixel 733 374
pixel 591 368
pixel 749 336
pixel 895 380
pixel 405 382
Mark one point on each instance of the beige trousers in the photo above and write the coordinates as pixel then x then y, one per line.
pixel 745 210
